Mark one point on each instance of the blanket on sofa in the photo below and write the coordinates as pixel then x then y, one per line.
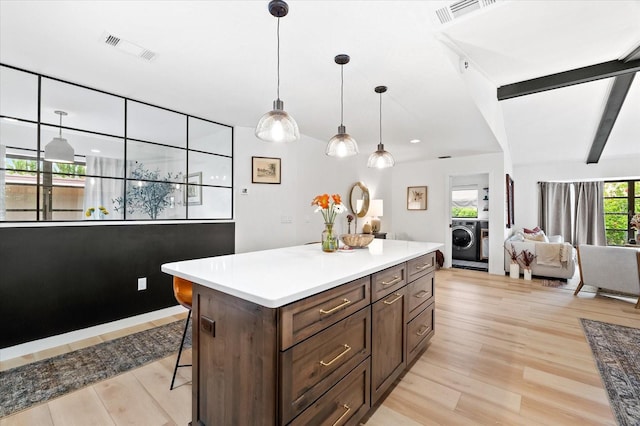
pixel 552 254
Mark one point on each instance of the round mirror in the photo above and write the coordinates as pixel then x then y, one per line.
pixel 359 199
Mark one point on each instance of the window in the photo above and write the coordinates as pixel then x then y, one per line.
pixel 132 161
pixel 464 203
pixel 621 202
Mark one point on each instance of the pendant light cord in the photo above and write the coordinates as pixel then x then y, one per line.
pixel 341 94
pixel 278 67
pixel 380 117
pixel 60 128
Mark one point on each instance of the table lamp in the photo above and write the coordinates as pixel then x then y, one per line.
pixel 375 211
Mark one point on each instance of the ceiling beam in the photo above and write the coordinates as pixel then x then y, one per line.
pixel 616 98
pixel 568 78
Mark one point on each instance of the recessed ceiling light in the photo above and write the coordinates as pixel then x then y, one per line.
pixel 97 151
pixel 415 141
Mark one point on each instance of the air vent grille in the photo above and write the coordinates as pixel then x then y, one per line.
pixel 128 47
pixel 112 40
pixel 460 8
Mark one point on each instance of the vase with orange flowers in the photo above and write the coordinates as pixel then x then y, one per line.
pixel 330 207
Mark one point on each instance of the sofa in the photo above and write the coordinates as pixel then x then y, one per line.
pixel 564 267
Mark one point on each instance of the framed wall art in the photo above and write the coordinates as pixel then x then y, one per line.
pixel 265 170
pixel 416 198
pixel 509 186
pixel 194 189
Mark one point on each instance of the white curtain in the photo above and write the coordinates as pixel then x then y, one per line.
pixel 101 191
pixel 554 209
pixel 589 219
pixel 3 207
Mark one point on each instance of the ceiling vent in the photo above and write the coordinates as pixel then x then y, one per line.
pixel 128 47
pixel 461 8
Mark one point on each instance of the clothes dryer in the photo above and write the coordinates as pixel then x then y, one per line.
pixel 464 239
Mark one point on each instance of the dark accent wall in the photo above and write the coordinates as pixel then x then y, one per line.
pixel 63 278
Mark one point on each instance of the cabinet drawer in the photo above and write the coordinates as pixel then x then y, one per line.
pixel 420 293
pixel 345 404
pixel 310 368
pixel 419 331
pixel 421 265
pixel 306 317
pixel 387 281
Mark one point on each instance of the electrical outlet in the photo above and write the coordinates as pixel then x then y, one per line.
pixel 142 283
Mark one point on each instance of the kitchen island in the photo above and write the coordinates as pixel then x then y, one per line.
pixel 299 336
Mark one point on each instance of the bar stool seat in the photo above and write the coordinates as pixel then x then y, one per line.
pixel 182 290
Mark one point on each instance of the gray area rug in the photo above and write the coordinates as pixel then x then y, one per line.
pixel 616 349
pixel 41 381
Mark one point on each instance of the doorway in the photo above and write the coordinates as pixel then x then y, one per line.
pixel 469 215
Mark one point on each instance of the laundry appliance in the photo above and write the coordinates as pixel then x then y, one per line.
pixel 465 239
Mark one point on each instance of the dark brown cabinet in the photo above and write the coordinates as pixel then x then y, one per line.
pixel 323 360
pixel 388 355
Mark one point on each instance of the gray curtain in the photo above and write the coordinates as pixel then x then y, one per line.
pixel 101 191
pixel 3 208
pixel 589 208
pixel 554 209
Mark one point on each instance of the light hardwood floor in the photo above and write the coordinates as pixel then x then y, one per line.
pixel 505 352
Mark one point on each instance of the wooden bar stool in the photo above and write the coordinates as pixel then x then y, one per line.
pixel 182 290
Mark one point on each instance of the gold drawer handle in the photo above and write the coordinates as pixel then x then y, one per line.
pixel 423 266
pixel 344 303
pixel 398 297
pixel 422 294
pixel 346 407
pixel 423 331
pixel 393 281
pixel 347 348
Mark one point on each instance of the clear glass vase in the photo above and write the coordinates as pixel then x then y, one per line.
pixel 329 239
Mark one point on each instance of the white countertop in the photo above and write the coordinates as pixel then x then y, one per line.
pixel 274 278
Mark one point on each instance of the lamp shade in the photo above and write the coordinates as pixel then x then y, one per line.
pixel 59 151
pixel 376 208
pixel 380 159
pixel 342 144
pixel 277 125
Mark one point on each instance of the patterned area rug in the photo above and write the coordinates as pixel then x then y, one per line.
pixel 616 351
pixel 41 381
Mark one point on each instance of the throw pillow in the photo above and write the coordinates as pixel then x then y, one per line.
pixel 538 236
pixel 532 231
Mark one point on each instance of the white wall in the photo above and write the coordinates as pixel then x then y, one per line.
pixel 526 178
pixel 433 224
pixel 306 172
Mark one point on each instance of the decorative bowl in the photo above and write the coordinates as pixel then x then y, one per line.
pixel 357 240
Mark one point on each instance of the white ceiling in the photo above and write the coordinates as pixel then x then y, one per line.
pixel 216 60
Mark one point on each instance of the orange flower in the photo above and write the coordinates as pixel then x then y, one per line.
pixel 336 198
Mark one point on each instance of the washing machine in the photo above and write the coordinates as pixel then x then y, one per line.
pixel 464 239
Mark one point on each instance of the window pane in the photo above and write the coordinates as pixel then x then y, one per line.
pixel 155 162
pixel 209 137
pixel 615 205
pixel 155 124
pixel 152 200
pixel 18 94
pixel 19 135
pixel 615 221
pixel 100 199
pixel 464 203
pixel 215 170
pixel 20 201
pixel 616 238
pixel 87 109
pixel 216 204
pixel 616 189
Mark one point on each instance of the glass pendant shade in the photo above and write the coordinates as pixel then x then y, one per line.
pixel 277 125
pixel 381 159
pixel 59 151
pixel 342 144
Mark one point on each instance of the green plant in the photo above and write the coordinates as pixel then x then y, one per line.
pixel 148 194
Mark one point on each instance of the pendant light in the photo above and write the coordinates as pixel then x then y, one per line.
pixel 342 144
pixel 380 159
pixel 276 125
pixel 59 150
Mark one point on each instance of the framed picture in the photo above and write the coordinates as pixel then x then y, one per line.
pixel 509 186
pixel 265 170
pixel 416 198
pixel 194 189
